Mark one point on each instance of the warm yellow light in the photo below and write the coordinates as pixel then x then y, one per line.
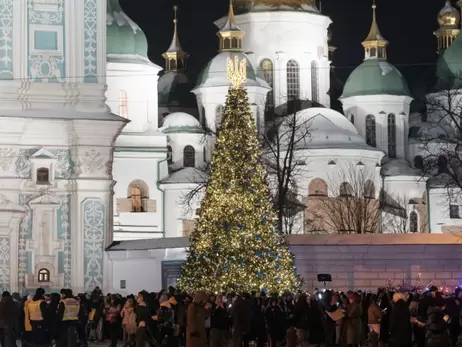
pixel 237 73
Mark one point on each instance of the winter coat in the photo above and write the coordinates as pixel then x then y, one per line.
pixel 240 315
pixel 9 313
pixel 400 327
pixel 374 314
pixel 436 329
pixel 195 326
pixel 275 321
pixel 351 325
pixel 302 314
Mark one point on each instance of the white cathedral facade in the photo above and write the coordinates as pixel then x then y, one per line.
pixel 97 152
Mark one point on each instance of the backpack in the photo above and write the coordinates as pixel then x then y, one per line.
pixel 131 326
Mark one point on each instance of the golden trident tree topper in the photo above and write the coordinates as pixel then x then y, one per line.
pixel 237 72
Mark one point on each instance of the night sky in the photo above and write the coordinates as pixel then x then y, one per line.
pixel 407 24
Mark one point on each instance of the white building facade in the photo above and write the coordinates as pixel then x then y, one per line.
pixel 56 145
pixel 98 165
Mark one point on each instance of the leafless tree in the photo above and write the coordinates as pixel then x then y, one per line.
pixel 441 136
pixel 283 141
pixel 400 214
pixel 285 146
pixel 352 205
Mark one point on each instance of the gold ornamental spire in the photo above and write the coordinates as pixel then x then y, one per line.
pixel 175 55
pixel 236 72
pixel 230 35
pixel 375 46
pixel 449 22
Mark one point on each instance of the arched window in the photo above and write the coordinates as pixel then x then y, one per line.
pixel 218 114
pixel 135 196
pixel 413 222
pixel 369 190
pixel 202 116
pixel 44 275
pixel 43 175
pixel 267 70
pixel 123 107
pixel 314 82
pixel 373 52
pixel 317 187
pixel 138 193
pixel 391 135
pixel 442 164
pixel 293 81
pixel 352 119
pixel 170 155
pixel 226 43
pixel 418 162
pixel 189 156
pixel 370 131
pixel 346 189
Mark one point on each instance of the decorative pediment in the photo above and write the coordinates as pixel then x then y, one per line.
pixel 43 154
pixel 46 199
pixel 10 206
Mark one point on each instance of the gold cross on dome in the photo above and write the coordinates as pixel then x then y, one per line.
pixel 237 72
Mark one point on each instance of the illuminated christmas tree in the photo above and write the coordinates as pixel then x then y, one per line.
pixel 236 245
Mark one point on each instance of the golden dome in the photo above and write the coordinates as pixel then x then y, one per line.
pixel 276 3
pixel 449 16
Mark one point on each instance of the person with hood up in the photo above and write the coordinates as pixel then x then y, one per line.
pixel 165 320
pixel 436 326
pixel 196 335
pixel 400 327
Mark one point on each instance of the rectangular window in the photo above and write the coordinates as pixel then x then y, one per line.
pixel 454 212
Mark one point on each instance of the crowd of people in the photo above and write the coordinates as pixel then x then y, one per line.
pixel 174 319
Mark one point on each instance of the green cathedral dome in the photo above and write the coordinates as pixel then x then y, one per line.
pixel 449 66
pixel 123 37
pixel 375 77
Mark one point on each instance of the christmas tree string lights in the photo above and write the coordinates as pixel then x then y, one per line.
pixel 236 244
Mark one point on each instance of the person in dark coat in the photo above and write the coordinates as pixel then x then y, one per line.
pixel 436 326
pixel 240 316
pixel 301 315
pixel 196 315
pixel 400 326
pixel 9 316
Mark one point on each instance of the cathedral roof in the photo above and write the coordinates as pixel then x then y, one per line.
pixel 375 77
pixel 449 66
pixel 215 74
pixel 174 89
pixel 275 5
pixel 124 37
pixel 329 129
pixel 181 122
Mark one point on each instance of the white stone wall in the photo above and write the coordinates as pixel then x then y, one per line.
pixel 285 35
pixel 368 262
pixel 380 106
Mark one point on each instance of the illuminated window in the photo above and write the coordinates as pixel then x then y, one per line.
pixel 391 135
pixel 135 196
pixel 123 109
pixel 267 69
pixel 314 82
pixel 189 157
pixel 370 131
pixel 293 80
pixel 44 275
pixel 43 175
